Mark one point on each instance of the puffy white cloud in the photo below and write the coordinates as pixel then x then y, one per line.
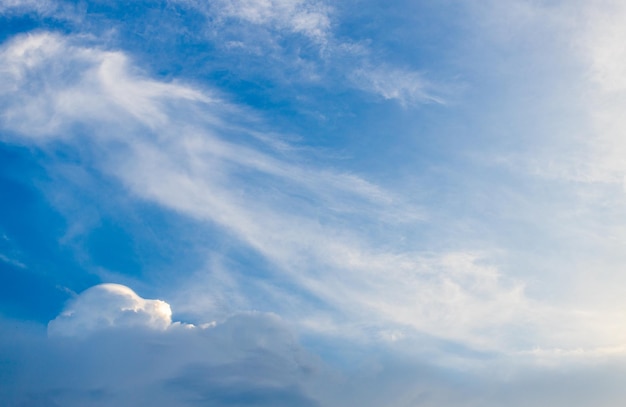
pixel 110 306
pixel 253 359
pixel 249 358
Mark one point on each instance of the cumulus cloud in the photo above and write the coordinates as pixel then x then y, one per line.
pixel 249 358
pixel 254 359
pixel 108 306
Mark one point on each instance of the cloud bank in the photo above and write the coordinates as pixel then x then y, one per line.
pixel 250 359
pixel 112 347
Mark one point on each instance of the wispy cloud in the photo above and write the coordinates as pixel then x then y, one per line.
pixel 40 6
pixel 177 146
pixel 604 61
pixel 406 87
pixel 577 95
pixel 11 261
pixel 485 268
pixel 189 150
pixel 307 17
pixel 171 144
pixel 263 24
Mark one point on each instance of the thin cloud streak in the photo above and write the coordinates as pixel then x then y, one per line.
pixel 341 60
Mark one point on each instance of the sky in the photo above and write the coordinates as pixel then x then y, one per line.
pixel 312 203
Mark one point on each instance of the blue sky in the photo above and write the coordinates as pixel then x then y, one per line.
pixel 310 203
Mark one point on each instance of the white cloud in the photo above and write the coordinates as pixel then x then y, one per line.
pixel 40 6
pixel 110 306
pixel 250 353
pixel 198 155
pixel 600 42
pixel 53 9
pixel 338 60
pixel 254 359
pixel 308 17
pixel 575 130
pixel 189 151
pixel 603 54
pixel 114 89
pixel 405 86
pixel 168 143
pixel 11 261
